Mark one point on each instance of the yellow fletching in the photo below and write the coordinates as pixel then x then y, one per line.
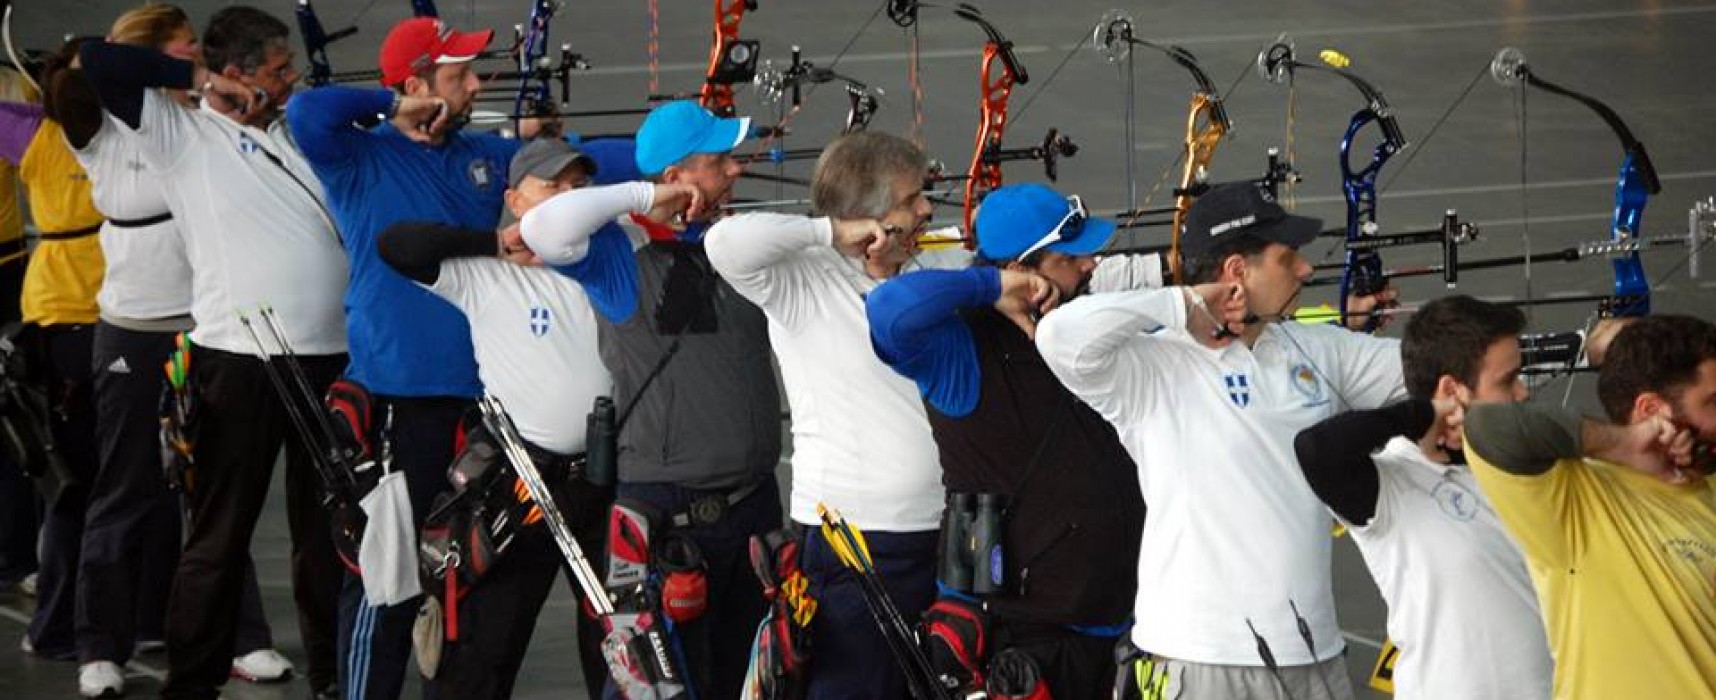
pixel 1321 313
pixel 1334 58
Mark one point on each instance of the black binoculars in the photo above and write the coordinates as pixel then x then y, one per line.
pixel 601 443
pixel 972 556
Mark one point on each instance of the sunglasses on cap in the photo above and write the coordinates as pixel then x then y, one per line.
pixel 1068 229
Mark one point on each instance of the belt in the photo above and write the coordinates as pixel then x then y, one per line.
pixel 711 508
pixel 143 221
pixel 553 466
pixel 69 235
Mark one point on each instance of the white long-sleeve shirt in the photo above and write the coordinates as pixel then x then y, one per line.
pixel 1234 532
pixel 861 439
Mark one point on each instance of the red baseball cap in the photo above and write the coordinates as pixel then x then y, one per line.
pixel 419 42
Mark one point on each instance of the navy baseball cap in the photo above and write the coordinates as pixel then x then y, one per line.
pixel 679 129
pixel 1017 220
pixel 1234 208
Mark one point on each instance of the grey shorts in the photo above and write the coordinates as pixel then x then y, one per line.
pixel 1161 678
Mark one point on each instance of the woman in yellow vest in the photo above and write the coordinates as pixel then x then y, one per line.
pixel 58 301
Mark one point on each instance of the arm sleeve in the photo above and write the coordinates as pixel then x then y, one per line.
pixel 1126 273
pixel 915 328
pixel 18 124
pixel 1082 341
pixel 123 75
pixel 1336 455
pixel 1525 458
pixel 78 110
pixel 756 254
pixel 417 249
pixel 560 229
pixel 324 120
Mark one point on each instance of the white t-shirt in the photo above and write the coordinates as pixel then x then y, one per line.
pixel 256 231
pixel 1461 606
pixel 148 276
pixel 861 440
pixel 535 340
pixel 1234 532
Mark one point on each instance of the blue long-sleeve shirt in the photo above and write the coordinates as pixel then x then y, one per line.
pixel 915 328
pixel 404 340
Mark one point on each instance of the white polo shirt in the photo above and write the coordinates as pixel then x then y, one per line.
pixel 1461 606
pixel 535 339
pixel 256 231
pixel 1234 532
pixel 861 439
pixel 148 276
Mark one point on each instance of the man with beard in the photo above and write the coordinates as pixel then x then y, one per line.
pixel 1207 388
pixel 1005 426
pixel 410 349
pixel 700 431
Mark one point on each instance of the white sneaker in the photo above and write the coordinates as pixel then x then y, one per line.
pixel 27 586
pixel 262 666
pixel 100 679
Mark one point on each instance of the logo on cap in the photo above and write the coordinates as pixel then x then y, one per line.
pixel 1226 226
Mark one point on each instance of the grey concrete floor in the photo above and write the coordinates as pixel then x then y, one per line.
pixel 1644 57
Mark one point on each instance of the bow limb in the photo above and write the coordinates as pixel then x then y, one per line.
pixel 12 52
pixel 1001 70
pixel 716 95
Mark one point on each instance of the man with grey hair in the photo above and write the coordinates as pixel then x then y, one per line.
pixel 257 233
pixel 861 441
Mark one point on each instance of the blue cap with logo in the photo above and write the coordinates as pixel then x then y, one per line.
pixel 679 129
pixel 1018 220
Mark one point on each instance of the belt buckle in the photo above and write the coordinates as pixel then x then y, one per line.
pixel 708 510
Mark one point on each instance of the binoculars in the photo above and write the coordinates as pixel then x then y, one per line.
pixel 601 443
pixel 972 556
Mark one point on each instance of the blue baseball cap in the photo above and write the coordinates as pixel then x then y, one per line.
pixel 1018 220
pixel 679 129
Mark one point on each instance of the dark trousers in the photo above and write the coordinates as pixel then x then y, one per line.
pixel 375 642
pixel 1075 665
pixel 18 508
pixel 67 352
pixel 717 646
pixel 131 529
pixel 244 425
pixel 849 656
pixel 132 526
pixel 497 617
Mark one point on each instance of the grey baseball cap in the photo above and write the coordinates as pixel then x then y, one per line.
pixel 546 158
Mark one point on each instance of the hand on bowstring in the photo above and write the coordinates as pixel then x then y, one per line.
pixel 1025 297
pixel 1603 334
pixel 1444 434
pixel 238 98
pixel 861 238
pixel 513 249
pixel 1216 313
pixel 426 117
pixel 1364 309
pixel 680 200
pixel 1655 446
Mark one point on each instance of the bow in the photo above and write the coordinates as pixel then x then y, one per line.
pixel 1206 124
pixel 1362 273
pixel 11 52
pixel 1000 71
pixel 731 59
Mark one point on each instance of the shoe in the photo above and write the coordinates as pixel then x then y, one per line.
pixel 150 646
pixel 262 666
pixel 27 586
pixel 100 679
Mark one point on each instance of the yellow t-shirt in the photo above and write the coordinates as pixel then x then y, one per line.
pixel 64 275
pixel 1625 570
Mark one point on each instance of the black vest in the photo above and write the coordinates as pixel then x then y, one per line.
pixel 1075 515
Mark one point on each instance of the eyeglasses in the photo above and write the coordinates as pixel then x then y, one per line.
pixel 1068 229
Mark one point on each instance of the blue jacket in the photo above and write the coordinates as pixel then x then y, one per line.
pixel 404 341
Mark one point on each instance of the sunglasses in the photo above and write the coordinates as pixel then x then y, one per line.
pixel 1068 229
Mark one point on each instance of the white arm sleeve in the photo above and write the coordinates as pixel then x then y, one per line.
pixel 559 229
